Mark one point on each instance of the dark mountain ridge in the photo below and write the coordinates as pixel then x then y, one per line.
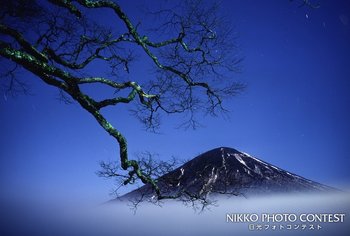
pixel 226 170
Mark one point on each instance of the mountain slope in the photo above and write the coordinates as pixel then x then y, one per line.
pixel 226 170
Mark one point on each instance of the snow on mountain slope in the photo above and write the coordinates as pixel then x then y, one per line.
pixel 228 171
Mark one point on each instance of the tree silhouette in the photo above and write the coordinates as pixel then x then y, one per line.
pixel 191 49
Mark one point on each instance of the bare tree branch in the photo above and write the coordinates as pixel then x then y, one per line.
pixel 190 66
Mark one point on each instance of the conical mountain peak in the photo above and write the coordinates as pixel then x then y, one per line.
pixel 225 169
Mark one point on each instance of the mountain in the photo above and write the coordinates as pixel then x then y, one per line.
pixel 226 170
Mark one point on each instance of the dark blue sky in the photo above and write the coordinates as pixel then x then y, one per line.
pixel 293 114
